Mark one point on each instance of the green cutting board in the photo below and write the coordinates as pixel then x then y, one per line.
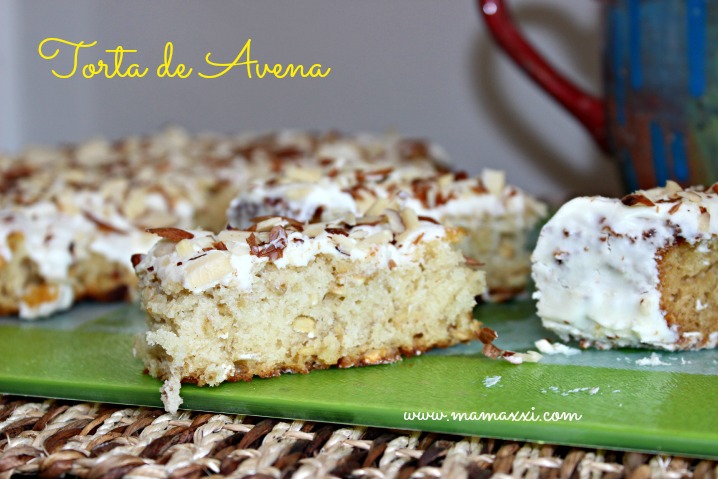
pixel 86 354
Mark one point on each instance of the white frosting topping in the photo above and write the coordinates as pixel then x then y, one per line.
pixel 232 258
pixel 355 188
pixel 98 197
pixel 595 264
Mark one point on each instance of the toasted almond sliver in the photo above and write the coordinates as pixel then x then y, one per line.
pixel 494 180
pixel 693 197
pixel 365 220
pixel 314 230
pixel 672 188
pixel 377 207
pixel 172 234
pixel 185 249
pixel 445 180
pixel 411 222
pixel 345 244
pixel 135 205
pixel 350 219
pixel 203 242
pixel 704 222
pixel 382 237
pixel 410 219
pixel 159 219
pixel 268 224
pixel 395 222
pixel 206 270
pixel 231 236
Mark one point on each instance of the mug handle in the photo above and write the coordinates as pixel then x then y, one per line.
pixel 586 108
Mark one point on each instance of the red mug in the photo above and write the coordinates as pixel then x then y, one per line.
pixel 659 115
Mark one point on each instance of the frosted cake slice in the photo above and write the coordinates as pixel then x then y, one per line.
pixel 291 297
pixel 640 271
pixel 496 219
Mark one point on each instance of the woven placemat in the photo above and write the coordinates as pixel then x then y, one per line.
pixel 52 439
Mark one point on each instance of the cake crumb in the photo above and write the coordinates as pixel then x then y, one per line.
pixel 546 347
pixel 653 360
pixel 519 358
pixel 171 394
pixel 554 389
pixel 491 381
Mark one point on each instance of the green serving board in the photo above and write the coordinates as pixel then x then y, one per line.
pixel 86 354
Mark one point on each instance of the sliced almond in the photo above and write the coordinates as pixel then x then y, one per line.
pixel 494 181
pixel 358 234
pixel 311 175
pixel 162 219
pixel 314 230
pixel 411 223
pixel 350 219
pixel 66 202
pixel 114 188
pixel 395 222
pixel 93 152
pixel 394 205
pixel 704 220
pixel 233 236
pixel 101 224
pixel 377 208
pixel 369 220
pixel 202 242
pixel 185 249
pixel 637 199
pixel 691 196
pixel 445 180
pixel 207 270
pixel 172 234
pixel 382 237
pixel 268 224
pixel 344 243
pixel 135 205
pixel 672 188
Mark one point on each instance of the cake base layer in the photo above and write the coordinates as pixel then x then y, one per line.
pixel 332 312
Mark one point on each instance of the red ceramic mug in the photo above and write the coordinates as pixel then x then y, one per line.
pixel 659 115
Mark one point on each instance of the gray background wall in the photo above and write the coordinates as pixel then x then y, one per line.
pixel 422 67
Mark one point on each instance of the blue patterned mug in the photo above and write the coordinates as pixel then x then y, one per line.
pixel 658 117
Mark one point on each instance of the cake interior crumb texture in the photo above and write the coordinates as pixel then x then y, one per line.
pixel 333 311
pixel 502 248
pixel 688 284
